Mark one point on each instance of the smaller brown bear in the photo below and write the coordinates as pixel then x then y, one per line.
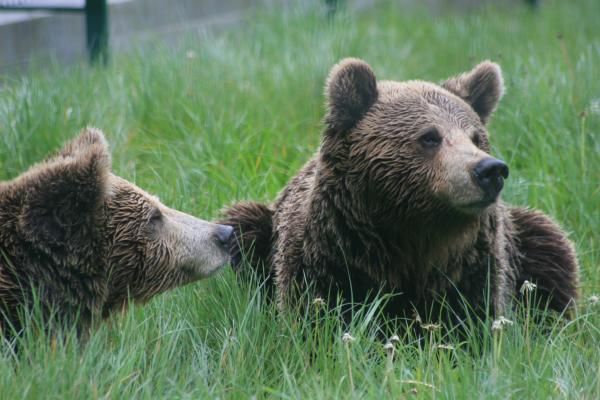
pixel 85 241
pixel 403 197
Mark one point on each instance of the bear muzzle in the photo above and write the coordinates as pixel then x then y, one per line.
pixel 200 248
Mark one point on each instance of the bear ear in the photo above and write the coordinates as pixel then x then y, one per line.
pixel 87 138
pixel 63 196
pixel 351 90
pixel 482 88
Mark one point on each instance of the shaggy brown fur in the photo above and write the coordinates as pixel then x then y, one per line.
pixel 403 196
pixel 86 240
pixel 255 221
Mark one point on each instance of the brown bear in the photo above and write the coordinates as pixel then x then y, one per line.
pixel 84 241
pixel 403 197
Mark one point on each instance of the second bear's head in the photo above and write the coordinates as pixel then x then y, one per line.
pixel 113 236
pixel 413 148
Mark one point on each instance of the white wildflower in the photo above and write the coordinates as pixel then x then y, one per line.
pixel 431 327
pixel 499 323
pixel 319 302
pixel 348 338
pixel 527 287
pixel 394 339
pixel 389 348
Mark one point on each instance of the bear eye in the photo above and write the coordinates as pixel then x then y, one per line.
pixel 155 216
pixel 477 139
pixel 431 138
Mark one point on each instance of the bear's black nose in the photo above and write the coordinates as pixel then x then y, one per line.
pixel 490 174
pixel 224 234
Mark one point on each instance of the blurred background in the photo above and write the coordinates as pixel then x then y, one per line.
pixel 65 31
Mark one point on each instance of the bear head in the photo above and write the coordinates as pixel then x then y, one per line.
pixel 99 238
pixel 413 149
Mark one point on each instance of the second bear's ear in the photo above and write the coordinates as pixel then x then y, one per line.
pixel 482 88
pixel 63 196
pixel 84 142
pixel 351 90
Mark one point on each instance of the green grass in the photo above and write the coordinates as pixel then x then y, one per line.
pixel 235 121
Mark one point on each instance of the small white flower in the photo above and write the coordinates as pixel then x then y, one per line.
pixel 394 339
pixel 389 348
pixel 499 323
pixel 431 327
pixel 319 302
pixel 347 338
pixel 527 287
pixel 594 299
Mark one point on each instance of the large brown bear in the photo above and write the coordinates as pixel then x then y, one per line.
pixel 84 241
pixel 403 196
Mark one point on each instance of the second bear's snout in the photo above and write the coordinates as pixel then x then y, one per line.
pixel 490 174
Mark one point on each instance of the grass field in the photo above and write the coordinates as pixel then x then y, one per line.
pixel 232 116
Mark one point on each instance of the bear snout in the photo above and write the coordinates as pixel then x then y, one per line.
pixel 489 174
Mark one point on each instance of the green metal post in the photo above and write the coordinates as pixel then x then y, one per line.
pixel 96 22
pixel 331 7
